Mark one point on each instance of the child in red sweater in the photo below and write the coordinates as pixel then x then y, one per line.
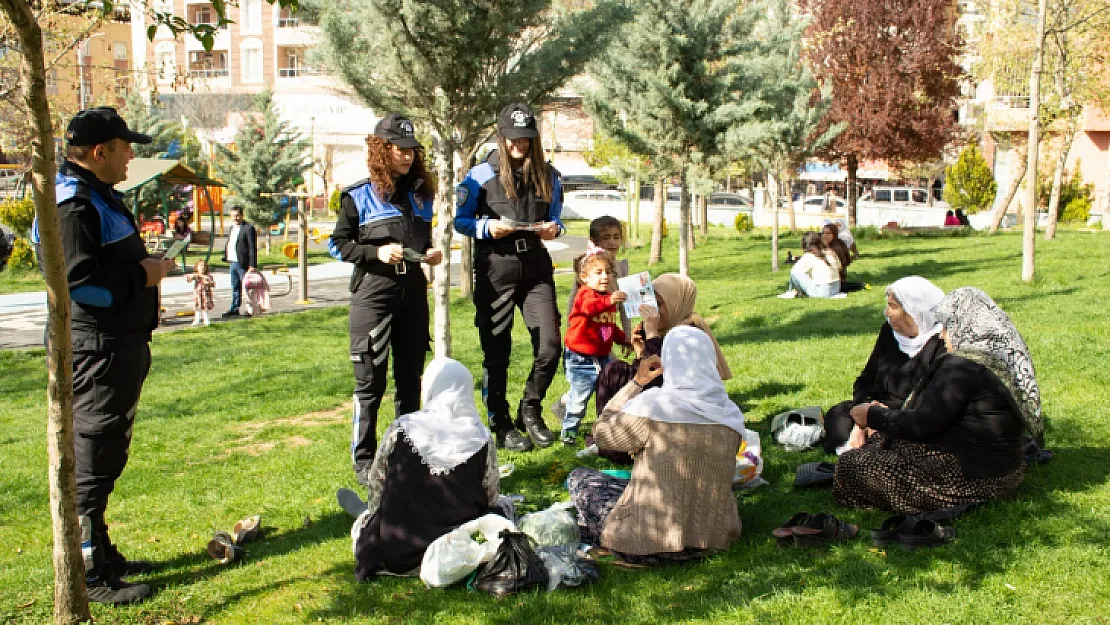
pixel 593 325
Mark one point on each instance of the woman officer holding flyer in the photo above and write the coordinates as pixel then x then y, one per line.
pixel 510 204
pixel 385 230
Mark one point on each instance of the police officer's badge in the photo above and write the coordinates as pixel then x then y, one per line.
pixel 461 194
pixel 520 118
pixel 406 128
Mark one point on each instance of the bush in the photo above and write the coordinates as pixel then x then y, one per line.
pixel 969 183
pixel 23 255
pixel 1075 197
pixel 333 202
pixel 19 214
pixel 743 222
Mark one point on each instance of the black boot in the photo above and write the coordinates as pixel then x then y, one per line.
pixel 507 436
pixel 530 418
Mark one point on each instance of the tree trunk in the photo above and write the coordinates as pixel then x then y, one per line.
pixel 635 234
pixel 772 184
pixel 1029 234
pixel 71 602
pixel 928 192
pixel 684 218
pixel 466 267
pixel 853 167
pixel 445 225
pixel 628 209
pixel 996 221
pixel 657 226
pixel 703 211
pixel 790 204
pixel 1058 175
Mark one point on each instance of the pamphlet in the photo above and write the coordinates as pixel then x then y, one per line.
pixel 533 226
pixel 639 291
pixel 175 249
pixel 413 256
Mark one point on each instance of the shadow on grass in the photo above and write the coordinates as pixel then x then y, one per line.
pixel 747 398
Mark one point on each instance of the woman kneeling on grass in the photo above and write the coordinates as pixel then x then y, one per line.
pixel 435 470
pixel 679 502
pixel 817 272
pixel 957 438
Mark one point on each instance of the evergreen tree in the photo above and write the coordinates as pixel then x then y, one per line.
pixel 969 183
pixel 685 83
pixel 171 140
pixel 453 64
pixel 267 157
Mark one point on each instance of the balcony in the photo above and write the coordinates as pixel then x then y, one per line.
pixel 207 73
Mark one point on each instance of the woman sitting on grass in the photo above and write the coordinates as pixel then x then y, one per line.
pixel 830 236
pixel 685 436
pixel 817 272
pixel 435 470
pixel 907 344
pixel 957 438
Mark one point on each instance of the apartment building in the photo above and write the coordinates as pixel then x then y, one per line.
pixel 999 105
pixel 265 46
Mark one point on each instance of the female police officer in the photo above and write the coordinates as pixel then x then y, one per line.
pixel 384 229
pixel 509 203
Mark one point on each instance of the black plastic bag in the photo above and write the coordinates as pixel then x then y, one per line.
pixel 513 568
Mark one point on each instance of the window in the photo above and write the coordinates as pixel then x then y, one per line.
pixel 84 48
pixel 882 195
pixel 166 61
pixel 901 195
pixel 204 15
pixel 120 48
pixel 251 55
pixel 919 196
pixel 52 82
pixel 286 19
pixel 163 6
pixel 121 90
pixel 250 17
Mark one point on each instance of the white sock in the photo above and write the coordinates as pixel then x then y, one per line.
pixel 196 318
pixel 204 317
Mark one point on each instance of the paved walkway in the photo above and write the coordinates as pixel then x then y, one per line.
pixel 23 315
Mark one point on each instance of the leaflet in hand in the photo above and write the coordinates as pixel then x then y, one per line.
pixel 175 249
pixel 639 291
pixel 533 226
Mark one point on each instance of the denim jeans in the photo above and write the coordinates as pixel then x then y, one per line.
pixel 237 273
pixel 806 286
pixel 582 373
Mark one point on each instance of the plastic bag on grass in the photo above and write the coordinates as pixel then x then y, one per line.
pixel 565 568
pixel 554 526
pixel 749 462
pixel 456 554
pixel 514 567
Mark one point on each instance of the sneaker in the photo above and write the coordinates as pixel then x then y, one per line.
pixel 229 314
pixel 839 296
pixel 570 438
pixel 117 592
pixel 791 294
pixel 195 323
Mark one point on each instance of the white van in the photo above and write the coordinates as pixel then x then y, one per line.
pixel 899 196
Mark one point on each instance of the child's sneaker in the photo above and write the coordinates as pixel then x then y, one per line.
pixel 570 437
pixel 791 294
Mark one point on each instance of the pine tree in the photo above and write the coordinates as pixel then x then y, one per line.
pixel 685 83
pixel 266 158
pixel 171 140
pixel 969 182
pixel 453 64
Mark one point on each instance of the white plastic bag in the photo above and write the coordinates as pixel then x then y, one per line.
pixel 749 460
pixel 554 526
pixel 453 556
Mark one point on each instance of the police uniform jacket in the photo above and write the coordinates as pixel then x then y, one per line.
pixel 482 198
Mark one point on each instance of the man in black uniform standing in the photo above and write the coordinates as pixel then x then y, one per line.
pixel 510 204
pixel 113 286
pixel 385 229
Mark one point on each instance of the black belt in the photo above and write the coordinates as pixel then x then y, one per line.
pixel 513 246
pixel 399 269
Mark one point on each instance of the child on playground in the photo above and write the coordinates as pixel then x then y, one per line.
pixel 593 325
pixel 202 292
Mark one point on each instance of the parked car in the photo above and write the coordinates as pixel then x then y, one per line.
pixel 595 195
pixel 582 182
pixel 820 204
pixel 728 200
pixel 899 196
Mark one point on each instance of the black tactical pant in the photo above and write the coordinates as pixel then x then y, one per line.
pixel 388 313
pixel 504 282
pixel 107 380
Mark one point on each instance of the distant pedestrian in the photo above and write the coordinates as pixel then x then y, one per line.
pixel 203 282
pixel 242 253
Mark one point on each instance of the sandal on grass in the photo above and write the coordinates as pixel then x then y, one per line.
pixel 784 534
pixel 247 529
pixel 823 529
pixel 926 533
pixel 222 547
pixel 888 533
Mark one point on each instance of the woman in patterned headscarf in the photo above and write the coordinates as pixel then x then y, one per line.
pixel 957 438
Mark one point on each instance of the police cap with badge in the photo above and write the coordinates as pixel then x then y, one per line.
pixel 516 121
pixel 100 125
pixel 398 130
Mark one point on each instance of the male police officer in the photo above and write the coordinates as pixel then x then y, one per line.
pixel 113 285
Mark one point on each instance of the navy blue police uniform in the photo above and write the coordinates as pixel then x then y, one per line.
pixel 389 302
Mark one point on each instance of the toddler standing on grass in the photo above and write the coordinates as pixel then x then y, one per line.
pixel 202 292
pixel 593 326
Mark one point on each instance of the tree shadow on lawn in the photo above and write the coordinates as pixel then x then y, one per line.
pixel 928 268
pixel 746 399
pixel 822 322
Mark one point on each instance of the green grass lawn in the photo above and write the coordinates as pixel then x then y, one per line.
pixel 250 417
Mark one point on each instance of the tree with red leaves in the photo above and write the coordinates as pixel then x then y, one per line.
pixel 895 78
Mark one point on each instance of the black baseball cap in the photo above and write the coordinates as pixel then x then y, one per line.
pixel 516 121
pixel 398 130
pixel 100 125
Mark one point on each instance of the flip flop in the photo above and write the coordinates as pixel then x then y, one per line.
pixel 927 533
pixel 784 534
pixel 823 529
pixel 247 529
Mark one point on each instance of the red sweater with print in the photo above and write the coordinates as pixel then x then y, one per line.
pixel 593 324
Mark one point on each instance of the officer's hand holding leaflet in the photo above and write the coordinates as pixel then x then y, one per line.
pixel 391 254
pixel 498 229
pixel 156 269
pixel 549 231
pixel 433 258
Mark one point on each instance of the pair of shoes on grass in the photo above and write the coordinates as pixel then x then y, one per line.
pixel 912 532
pixel 813 530
pixel 228 548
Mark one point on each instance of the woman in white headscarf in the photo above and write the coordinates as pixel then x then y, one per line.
pixel 907 344
pixel 435 469
pixel 958 438
pixel 684 435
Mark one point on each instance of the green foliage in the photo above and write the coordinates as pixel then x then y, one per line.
pixel 19 214
pixel 333 202
pixel 23 255
pixel 969 183
pixel 743 222
pixel 1076 198
pixel 267 157
pixel 158 197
